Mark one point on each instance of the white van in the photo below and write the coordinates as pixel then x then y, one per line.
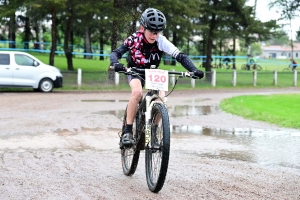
pixel 19 69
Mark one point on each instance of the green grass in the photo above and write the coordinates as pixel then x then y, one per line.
pixel 279 109
pixel 95 74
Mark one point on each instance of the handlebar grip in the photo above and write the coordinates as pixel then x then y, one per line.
pixel 118 67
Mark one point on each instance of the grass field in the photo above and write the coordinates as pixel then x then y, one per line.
pixel 95 75
pixel 102 65
pixel 279 109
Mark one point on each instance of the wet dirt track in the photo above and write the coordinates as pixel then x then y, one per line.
pixel 63 145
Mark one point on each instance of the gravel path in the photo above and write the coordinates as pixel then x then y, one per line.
pixel 63 145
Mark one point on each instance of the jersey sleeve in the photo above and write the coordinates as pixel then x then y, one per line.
pixel 118 52
pixel 166 46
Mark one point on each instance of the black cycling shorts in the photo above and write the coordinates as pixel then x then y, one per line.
pixel 141 78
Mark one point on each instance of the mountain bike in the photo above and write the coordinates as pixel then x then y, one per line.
pixel 151 132
pixel 290 68
pixel 222 65
pixel 252 66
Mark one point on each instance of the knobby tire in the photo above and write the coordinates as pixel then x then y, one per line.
pixel 157 158
pixel 130 156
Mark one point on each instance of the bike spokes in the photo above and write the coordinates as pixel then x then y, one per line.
pixel 157 154
pixel 130 156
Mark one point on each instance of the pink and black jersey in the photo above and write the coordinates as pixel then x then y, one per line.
pixel 143 54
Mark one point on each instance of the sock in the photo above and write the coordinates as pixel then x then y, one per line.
pixel 128 128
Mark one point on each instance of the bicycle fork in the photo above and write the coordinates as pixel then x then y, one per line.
pixel 148 123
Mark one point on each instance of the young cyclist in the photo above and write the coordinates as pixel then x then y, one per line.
pixel 251 61
pixel 226 60
pixel 293 64
pixel 146 47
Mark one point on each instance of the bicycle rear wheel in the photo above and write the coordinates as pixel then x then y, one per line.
pixel 157 157
pixel 130 156
pixel 244 67
pixel 258 68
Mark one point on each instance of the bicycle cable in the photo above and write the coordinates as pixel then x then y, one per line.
pixel 174 85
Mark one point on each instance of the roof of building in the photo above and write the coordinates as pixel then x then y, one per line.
pixel 282 48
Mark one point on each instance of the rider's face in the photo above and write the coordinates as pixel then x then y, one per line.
pixel 151 36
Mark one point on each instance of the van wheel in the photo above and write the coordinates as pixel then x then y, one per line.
pixel 46 85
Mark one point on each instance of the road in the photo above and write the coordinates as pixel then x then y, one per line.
pixel 64 145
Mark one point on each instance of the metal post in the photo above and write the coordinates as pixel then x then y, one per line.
pixel 172 78
pixel 234 77
pixel 117 79
pixel 275 78
pixel 213 80
pixel 79 75
pixel 254 77
pixel 295 77
pixel 192 82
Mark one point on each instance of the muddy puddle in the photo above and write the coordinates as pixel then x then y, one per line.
pixel 267 147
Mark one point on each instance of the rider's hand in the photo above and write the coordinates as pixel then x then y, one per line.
pixel 118 67
pixel 198 74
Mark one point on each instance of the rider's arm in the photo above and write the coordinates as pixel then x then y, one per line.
pixel 165 45
pixel 117 54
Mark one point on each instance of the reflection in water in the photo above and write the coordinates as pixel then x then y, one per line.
pixel 187 110
pixel 118 113
pixel 260 146
pixel 267 147
pixel 101 100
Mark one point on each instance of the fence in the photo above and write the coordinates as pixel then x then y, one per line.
pixel 233 78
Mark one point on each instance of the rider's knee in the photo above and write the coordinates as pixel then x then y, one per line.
pixel 137 94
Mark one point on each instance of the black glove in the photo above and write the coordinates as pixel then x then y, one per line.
pixel 119 67
pixel 198 74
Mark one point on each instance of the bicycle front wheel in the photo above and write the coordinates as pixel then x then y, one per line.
pixel 157 156
pixel 258 68
pixel 244 67
pixel 130 156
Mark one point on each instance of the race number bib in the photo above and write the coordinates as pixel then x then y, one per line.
pixel 157 79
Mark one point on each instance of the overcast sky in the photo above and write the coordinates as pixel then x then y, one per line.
pixel 265 14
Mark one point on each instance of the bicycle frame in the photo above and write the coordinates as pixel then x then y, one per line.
pixel 150 101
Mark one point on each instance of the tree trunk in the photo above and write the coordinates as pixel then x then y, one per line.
pixel 175 43
pixel 72 41
pixel 68 30
pixel 209 47
pixel 114 35
pixel 12 31
pixel 87 42
pixel 53 35
pixel 41 40
pixel 233 53
pixel 101 41
pixel 37 32
pixel 27 32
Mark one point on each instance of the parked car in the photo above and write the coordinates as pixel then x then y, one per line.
pixel 19 69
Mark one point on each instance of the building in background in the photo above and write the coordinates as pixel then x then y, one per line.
pixel 281 52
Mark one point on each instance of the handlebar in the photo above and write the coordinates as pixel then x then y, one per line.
pixel 140 71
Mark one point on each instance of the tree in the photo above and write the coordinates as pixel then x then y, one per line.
pixel 53 8
pixel 298 35
pixel 8 17
pixel 289 10
pixel 281 38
